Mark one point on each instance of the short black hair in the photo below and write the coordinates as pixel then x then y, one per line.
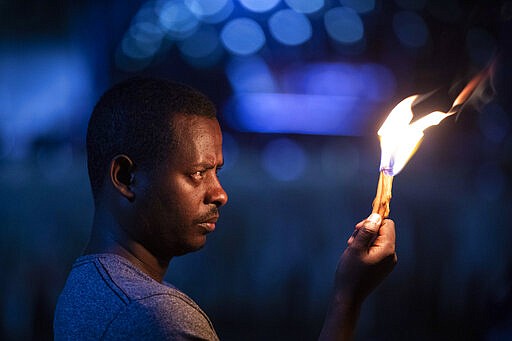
pixel 134 118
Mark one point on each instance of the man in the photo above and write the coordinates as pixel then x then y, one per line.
pixel 154 149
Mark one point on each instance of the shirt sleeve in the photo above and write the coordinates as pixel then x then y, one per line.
pixel 161 317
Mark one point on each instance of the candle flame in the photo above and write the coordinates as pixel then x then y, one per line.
pixel 399 138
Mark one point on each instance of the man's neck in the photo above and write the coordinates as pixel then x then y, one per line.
pixel 107 237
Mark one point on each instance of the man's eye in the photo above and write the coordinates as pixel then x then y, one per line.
pixel 197 175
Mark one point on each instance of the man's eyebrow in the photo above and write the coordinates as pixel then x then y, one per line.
pixel 209 165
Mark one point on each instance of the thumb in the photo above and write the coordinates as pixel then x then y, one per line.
pixel 368 231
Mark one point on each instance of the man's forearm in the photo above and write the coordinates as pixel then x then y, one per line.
pixel 340 321
pixel 368 259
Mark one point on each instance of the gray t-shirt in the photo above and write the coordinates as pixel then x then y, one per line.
pixel 106 297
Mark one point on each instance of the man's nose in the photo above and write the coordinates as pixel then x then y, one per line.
pixel 216 194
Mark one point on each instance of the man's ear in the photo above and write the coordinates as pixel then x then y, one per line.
pixel 122 175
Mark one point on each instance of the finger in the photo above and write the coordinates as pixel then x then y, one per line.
pixel 384 244
pixel 387 235
pixel 388 229
pixel 367 232
pixel 354 234
pixel 360 224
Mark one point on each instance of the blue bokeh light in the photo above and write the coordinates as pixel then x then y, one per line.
pixel 380 82
pixel 177 19
pixel 305 6
pixel 130 64
pixel 131 48
pixel 42 90
pixel 370 81
pixel 410 28
pixel 142 40
pixel 360 6
pixel 259 5
pixel 290 27
pixel 230 151
pixel 243 36
pixel 296 113
pixel 284 159
pixel 494 122
pixel 324 99
pixel 200 44
pixel 203 48
pixel 250 74
pixel 210 11
pixel 147 13
pixel 344 25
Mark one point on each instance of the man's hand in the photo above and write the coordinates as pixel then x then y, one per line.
pixel 368 259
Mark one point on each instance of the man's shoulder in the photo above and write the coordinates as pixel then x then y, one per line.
pixel 127 278
pixel 166 315
pixel 115 298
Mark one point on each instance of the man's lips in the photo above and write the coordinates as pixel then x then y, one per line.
pixel 209 225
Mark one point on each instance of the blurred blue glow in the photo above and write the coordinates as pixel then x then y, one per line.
pixel 259 5
pixel 373 82
pixel 290 27
pixel 243 36
pixel 360 6
pixel 305 6
pixel 131 48
pixel 292 113
pixel 202 49
pixel 41 90
pixel 230 151
pixel 411 4
pixel 146 32
pixel 147 13
pixel 410 29
pixel 284 159
pixel 130 64
pixel 344 25
pixel 326 99
pixel 177 19
pixel 250 74
pixel 6 145
pixel 494 122
pixel 142 40
pixel 210 11
pixel 481 45
pixel 380 82
pixel 200 44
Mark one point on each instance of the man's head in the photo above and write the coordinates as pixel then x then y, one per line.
pixel 153 150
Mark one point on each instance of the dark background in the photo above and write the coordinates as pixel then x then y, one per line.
pixel 267 271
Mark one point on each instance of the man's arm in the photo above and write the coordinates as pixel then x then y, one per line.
pixel 368 259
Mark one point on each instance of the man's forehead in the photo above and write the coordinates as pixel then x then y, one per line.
pixel 194 126
pixel 197 135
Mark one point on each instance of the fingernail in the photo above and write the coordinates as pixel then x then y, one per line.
pixel 375 219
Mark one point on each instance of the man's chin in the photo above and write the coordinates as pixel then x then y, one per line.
pixel 192 247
